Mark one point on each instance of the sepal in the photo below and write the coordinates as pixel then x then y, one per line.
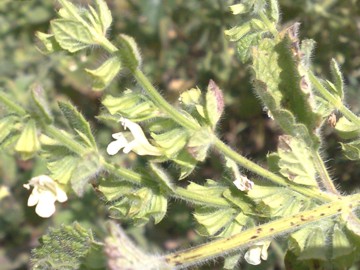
pixel 129 52
pixel 199 144
pixel 40 104
pixel 28 144
pixel 78 123
pixel 47 43
pixel 131 105
pixel 103 75
pixel 346 129
pixel 351 150
pixel 138 205
pixel 214 103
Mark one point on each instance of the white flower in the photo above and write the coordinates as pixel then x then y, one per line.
pixel 140 145
pixel 44 195
pixel 257 252
pixel 243 183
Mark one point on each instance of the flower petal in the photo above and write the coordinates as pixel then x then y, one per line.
pixel 60 195
pixel 252 256
pixel 46 205
pixel 115 146
pixel 33 198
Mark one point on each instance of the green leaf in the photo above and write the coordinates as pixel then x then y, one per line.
pixel 296 161
pixel 193 99
pixel 283 90
pixel 309 243
pixel 341 244
pixel 351 150
pixel 231 261
pixel 87 169
pixel 337 79
pixel 186 163
pixel 47 43
pixel 77 122
pixel 278 201
pixel 346 129
pixel 69 10
pixel 9 105
pixel 104 74
pixel 104 14
pixel 63 248
pixel 240 200
pixel 274 13
pixel 129 52
pixel 238 32
pixel 244 46
pixel 224 221
pixel 199 144
pixel 214 103
pixel 240 8
pixel 62 168
pixel 161 176
pixel 41 105
pixel 71 36
pixel 211 189
pixel 139 206
pixel 113 189
pixel 211 221
pixel 6 125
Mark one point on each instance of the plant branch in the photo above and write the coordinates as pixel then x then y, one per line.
pixel 253 167
pixel 218 144
pixel 162 103
pixel 11 105
pixel 336 102
pixel 65 139
pixel 131 176
pixel 324 175
pixel 263 232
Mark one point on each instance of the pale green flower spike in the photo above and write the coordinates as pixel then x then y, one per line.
pixel 140 145
pixel 44 195
pixel 257 252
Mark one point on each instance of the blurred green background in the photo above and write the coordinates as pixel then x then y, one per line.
pixel 183 46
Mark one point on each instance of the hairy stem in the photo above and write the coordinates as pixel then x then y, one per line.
pixel 324 175
pixel 131 176
pixel 263 232
pixel 65 139
pixel 218 144
pixel 336 102
pixel 251 166
pixel 162 103
pixel 11 105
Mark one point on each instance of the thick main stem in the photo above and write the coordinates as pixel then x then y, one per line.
pixel 263 232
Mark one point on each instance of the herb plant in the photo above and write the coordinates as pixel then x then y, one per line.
pixel 249 207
